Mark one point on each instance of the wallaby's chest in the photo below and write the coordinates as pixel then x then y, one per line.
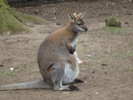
pixel 74 41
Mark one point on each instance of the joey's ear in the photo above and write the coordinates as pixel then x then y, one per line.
pixel 71 17
pixel 82 14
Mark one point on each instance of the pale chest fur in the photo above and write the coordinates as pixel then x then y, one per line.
pixel 71 70
pixel 74 42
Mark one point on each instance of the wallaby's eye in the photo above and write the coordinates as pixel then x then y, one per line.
pixel 79 23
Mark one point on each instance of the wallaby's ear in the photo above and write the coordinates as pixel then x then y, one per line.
pixel 82 14
pixel 71 17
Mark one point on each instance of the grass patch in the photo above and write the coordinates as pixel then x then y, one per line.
pixel 130 54
pixel 116 56
pixel 1 77
pixel 107 79
pixel 104 63
pixel 131 69
pixel 114 30
pixel 11 91
pixel 10 73
pixel 81 65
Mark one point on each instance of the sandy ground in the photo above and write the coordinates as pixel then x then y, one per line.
pixel 107 53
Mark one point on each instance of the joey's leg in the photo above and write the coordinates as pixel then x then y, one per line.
pixel 78 60
pixel 57 74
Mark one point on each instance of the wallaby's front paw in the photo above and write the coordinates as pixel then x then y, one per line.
pixel 73 88
pixel 72 50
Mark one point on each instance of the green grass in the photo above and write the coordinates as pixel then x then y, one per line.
pixel 116 56
pixel 9 73
pixel 107 79
pixel 81 65
pixel 114 30
pixel 130 54
pixel 12 73
pixel 104 63
pixel 11 91
pixel 131 69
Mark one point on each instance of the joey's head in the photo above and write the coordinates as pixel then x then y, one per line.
pixel 77 22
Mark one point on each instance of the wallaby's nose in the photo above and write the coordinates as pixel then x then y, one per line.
pixel 86 29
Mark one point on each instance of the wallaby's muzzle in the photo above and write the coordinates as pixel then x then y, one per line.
pixel 85 29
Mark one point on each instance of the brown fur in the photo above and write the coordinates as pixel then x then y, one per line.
pixel 62 55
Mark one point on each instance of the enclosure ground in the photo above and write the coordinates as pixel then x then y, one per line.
pixel 107 53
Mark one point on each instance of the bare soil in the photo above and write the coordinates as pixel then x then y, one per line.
pixel 107 54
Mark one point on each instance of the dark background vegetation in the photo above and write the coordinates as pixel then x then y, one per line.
pixel 20 3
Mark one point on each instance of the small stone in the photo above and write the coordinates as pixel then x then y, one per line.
pixel 104 64
pixel 1 65
pixel 36 11
pixel 58 23
pixel 126 23
pixel 93 71
pixel 85 81
pixel 11 69
pixel 97 92
pixel 129 13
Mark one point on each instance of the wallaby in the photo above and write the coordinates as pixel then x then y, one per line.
pixel 57 59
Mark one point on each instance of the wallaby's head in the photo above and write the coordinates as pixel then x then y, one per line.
pixel 78 24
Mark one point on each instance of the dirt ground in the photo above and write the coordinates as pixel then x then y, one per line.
pixel 107 53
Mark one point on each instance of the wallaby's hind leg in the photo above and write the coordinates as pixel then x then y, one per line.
pixel 58 74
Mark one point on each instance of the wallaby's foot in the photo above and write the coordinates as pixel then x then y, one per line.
pixel 75 82
pixel 66 88
pixel 73 88
pixel 78 81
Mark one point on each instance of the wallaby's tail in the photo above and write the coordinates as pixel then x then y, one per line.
pixel 39 84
